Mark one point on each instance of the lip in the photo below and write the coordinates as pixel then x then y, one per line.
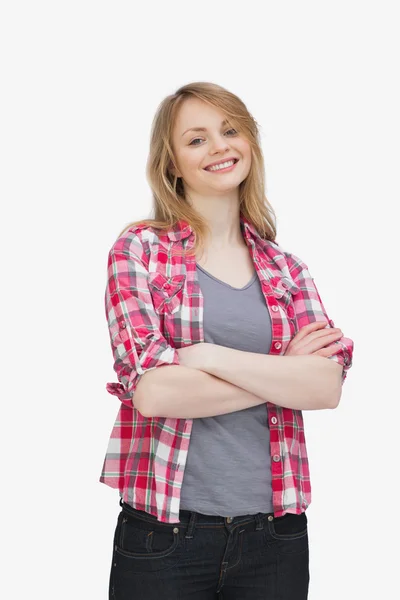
pixel 219 162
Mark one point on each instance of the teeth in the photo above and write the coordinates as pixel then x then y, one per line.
pixel 221 166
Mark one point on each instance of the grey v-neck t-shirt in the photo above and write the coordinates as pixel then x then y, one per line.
pixel 228 468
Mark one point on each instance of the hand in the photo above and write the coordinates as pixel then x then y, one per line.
pixel 194 356
pixel 315 338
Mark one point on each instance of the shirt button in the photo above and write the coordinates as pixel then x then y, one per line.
pixel 277 345
pixel 284 284
pixel 123 325
pixel 274 308
pixel 167 286
pixel 276 458
pixel 274 420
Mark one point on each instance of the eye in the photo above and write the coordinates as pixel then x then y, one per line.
pixel 226 132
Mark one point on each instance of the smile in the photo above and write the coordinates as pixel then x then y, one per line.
pixel 229 165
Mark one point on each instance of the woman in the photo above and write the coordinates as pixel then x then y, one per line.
pixel 209 454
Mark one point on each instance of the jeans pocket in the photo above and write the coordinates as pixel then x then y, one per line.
pixel 141 539
pixel 289 536
pixel 289 527
pixel 141 546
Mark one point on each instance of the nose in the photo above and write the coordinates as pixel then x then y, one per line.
pixel 219 144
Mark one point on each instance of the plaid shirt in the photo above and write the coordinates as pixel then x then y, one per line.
pixel 153 306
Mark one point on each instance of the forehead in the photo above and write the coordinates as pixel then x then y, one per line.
pixel 196 113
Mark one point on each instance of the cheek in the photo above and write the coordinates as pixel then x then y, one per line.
pixel 246 151
pixel 246 154
pixel 189 162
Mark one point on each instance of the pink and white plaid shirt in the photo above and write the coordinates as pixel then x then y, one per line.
pixel 153 306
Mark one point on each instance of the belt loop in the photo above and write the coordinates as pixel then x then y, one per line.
pixel 121 501
pixel 191 526
pixel 259 522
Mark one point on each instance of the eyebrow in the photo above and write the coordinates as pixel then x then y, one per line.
pixel 225 122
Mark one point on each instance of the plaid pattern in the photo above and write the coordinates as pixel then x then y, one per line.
pixel 153 306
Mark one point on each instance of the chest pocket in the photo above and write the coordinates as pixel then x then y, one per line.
pixel 166 292
pixel 284 289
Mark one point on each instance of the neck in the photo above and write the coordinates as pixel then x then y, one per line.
pixel 222 214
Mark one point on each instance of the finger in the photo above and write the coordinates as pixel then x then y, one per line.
pixel 325 335
pixel 312 344
pixel 321 337
pixel 329 350
pixel 311 327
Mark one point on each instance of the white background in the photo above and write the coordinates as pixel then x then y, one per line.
pixel 80 84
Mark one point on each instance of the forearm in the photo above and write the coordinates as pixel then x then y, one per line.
pixel 298 382
pixel 177 391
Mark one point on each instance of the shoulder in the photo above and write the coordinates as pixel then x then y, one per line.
pixel 140 241
pixel 287 259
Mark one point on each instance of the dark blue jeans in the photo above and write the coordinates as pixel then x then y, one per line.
pixel 209 558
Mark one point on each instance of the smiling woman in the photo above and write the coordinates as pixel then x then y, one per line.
pixel 220 150
pixel 220 339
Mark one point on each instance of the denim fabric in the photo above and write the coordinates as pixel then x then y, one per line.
pixel 209 558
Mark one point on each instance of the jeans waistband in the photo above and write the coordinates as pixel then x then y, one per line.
pixel 191 519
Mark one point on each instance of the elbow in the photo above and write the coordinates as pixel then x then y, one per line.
pixel 144 411
pixel 143 407
pixel 336 391
pixel 151 394
pixel 140 404
pixel 335 386
pixel 143 396
pixel 334 400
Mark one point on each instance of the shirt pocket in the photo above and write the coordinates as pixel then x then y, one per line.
pixel 284 289
pixel 166 292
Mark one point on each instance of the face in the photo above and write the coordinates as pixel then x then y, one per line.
pixel 216 142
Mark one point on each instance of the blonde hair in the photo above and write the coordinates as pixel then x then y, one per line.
pixel 169 204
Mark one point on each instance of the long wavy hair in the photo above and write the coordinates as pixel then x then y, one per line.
pixel 169 203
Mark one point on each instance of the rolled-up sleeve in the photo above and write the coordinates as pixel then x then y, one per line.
pixel 309 308
pixel 137 343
